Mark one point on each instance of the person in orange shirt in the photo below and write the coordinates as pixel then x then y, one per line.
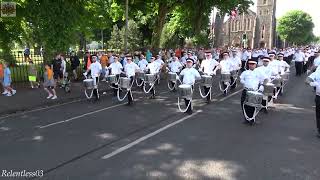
pixel 49 82
pixel 104 61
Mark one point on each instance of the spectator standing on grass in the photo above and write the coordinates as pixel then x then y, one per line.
pixel 1 78
pixel 74 61
pixel 7 80
pixel 56 68
pixel 49 83
pixel 32 75
pixel 26 54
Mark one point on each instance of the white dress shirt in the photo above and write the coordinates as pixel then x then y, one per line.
pixel 315 76
pixel 283 66
pixel 175 66
pixel 153 67
pixel 95 69
pixel 316 62
pixel 225 66
pixel 131 69
pixel 190 75
pixel 235 63
pixel 250 79
pixel 143 64
pixel 207 65
pixel 116 68
pixel 275 66
pixel 299 56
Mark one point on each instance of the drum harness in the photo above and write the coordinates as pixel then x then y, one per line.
pixel 256 110
pixel 172 88
pixel 151 84
pixel 128 90
pixel 189 104
pixel 209 92
pixel 91 94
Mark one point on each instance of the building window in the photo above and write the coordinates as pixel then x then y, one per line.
pixel 260 12
pixel 248 26
pixel 262 32
pixel 264 2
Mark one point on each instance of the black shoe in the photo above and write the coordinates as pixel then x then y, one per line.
pixel 245 122
pixel 189 112
pixel 129 103
pixel 252 123
pixel 208 101
pixel 318 135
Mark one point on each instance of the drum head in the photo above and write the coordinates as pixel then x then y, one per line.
pixel 184 86
pixel 88 80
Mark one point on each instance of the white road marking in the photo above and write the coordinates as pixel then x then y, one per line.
pixel 130 145
pixel 143 138
pixel 80 116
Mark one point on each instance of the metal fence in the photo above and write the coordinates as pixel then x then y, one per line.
pixel 19 71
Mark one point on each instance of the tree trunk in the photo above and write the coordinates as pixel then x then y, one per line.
pixel 198 17
pixel 157 31
pixel 217 29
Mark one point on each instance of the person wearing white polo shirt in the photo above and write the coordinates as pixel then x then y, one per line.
pixel 299 58
pixel 130 69
pixel 95 68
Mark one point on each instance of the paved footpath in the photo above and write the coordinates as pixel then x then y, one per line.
pixel 151 140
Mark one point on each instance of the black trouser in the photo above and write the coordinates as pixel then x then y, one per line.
pixel 95 90
pixel 234 84
pixel 280 89
pixel 286 59
pixel 130 100
pixel 264 102
pixel 243 65
pixel 206 91
pixel 115 86
pixel 318 112
pixel 248 109
pixel 224 87
pixel 153 91
pixel 299 66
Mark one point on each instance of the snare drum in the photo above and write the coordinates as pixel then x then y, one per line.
pixel 112 79
pixel 277 82
pixel 285 76
pixel 125 82
pixel 254 99
pixel 141 75
pixel 88 83
pixel 206 80
pixel 150 78
pixel 172 77
pixel 268 89
pixel 234 74
pixel 185 91
pixel 225 78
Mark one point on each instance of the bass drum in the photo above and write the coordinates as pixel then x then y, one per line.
pixel 253 98
pixel 125 82
pixel 185 91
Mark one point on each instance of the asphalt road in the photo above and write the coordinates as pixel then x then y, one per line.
pixel 152 140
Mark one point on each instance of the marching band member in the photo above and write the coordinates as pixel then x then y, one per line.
pixel 299 57
pixel 244 59
pixel 250 80
pixel 235 62
pixel 209 67
pixel 160 63
pixel 95 68
pixel 130 70
pixel 316 61
pixel 225 67
pixel 190 75
pixel 284 66
pixel 314 81
pixel 175 66
pixel 116 69
pixel 143 63
pixel 154 69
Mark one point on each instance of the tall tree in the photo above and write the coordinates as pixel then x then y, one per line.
pixel 296 27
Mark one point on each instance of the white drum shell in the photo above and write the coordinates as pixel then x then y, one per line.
pixel 268 89
pixel 112 78
pixel 285 76
pixel 254 99
pixel 277 82
pixel 88 83
pixel 150 78
pixel 225 77
pixel 125 82
pixel 185 91
pixel 206 80
pixel 172 76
